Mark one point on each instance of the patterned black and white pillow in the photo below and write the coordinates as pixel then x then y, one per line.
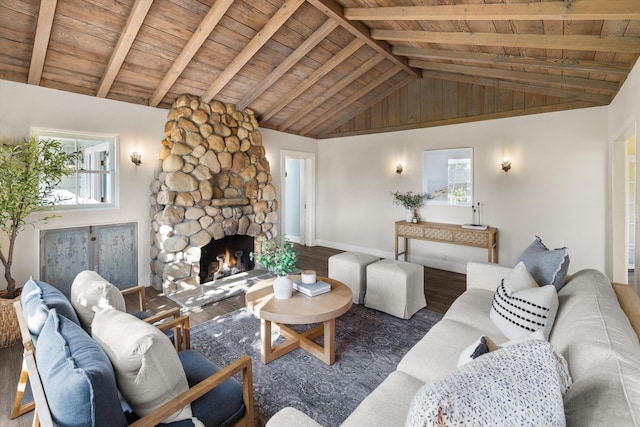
pixel 517 385
pixel 521 307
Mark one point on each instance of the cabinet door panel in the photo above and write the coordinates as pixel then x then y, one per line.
pixel 64 254
pixel 118 254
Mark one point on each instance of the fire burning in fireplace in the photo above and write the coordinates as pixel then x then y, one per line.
pixel 227 265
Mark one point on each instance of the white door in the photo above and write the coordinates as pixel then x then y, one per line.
pixel 298 204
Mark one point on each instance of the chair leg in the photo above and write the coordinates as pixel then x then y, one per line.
pixel 18 408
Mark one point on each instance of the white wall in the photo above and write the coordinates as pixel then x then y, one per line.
pixel 139 128
pixel 556 188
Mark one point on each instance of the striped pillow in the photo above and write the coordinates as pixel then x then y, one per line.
pixel 521 307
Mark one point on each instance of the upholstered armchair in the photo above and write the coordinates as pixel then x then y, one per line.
pixel 78 379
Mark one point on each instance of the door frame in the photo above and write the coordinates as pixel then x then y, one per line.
pixel 307 194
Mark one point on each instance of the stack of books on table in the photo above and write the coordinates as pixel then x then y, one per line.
pixel 311 289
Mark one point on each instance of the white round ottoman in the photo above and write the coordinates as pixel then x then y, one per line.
pixel 395 287
pixel 350 269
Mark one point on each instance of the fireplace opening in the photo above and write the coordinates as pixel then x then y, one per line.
pixel 226 257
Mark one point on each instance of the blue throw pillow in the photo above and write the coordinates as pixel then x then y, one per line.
pixel 37 299
pixel 548 267
pixel 77 376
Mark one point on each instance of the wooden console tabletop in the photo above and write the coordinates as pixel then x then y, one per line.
pixel 448 233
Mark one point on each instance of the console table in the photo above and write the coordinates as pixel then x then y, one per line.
pixel 448 233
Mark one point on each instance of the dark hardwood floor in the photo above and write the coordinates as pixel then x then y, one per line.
pixel 441 288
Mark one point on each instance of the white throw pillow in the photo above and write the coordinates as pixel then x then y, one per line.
pixel 147 367
pixel 521 307
pixel 518 385
pixel 478 347
pixel 90 292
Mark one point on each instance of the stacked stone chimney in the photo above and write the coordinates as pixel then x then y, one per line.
pixel 212 180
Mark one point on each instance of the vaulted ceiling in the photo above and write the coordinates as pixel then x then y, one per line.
pixel 324 68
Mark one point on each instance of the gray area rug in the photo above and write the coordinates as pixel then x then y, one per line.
pixel 369 346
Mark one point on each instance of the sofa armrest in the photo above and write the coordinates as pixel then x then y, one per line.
pixel 287 417
pixel 180 326
pixel 487 276
pixel 241 365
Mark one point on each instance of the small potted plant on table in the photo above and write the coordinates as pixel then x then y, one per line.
pixel 280 260
pixel 411 202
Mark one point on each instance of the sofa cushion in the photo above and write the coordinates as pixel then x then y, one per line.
pixel 548 267
pixel 77 376
pixel 37 299
pixel 607 395
pixel 147 367
pixel 520 306
pixel 520 384
pixel 388 404
pixel 90 292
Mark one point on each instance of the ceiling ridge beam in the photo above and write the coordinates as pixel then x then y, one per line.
pixel 367 106
pixel 515 61
pixel 363 91
pixel 125 41
pixel 336 60
pixel 522 76
pixel 312 41
pixel 578 10
pixel 325 96
pixel 199 36
pixel 277 20
pixel 335 11
pixel 526 88
pixel 46 14
pixel 535 41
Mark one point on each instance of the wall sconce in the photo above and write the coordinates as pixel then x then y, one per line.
pixel 136 158
pixel 399 169
pixel 506 165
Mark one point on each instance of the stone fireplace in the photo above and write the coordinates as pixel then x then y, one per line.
pixel 212 181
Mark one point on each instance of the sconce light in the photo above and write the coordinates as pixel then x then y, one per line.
pixel 136 158
pixel 399 169
pixel 506 165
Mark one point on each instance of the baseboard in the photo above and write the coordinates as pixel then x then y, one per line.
pixel 440 264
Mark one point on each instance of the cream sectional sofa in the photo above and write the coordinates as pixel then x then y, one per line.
pixel 590 330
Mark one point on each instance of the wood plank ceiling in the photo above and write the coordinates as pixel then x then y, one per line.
pixel 323 68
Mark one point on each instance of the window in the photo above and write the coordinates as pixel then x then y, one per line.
pixel 93 181
pixel 448 176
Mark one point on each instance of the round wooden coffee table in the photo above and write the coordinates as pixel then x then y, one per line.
pixel 297 310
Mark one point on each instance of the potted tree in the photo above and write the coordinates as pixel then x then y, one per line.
pixel 411 202
pixel 29 171
pixel 280 260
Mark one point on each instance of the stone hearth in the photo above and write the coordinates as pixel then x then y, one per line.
pixel 212 180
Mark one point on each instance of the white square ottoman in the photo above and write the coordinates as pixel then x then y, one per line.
pixel 395 287
pixel 350 268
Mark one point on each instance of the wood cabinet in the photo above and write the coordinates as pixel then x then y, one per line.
pixel 447 233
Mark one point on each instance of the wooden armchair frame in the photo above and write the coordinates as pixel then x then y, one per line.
pixel 166 320
pixel 42 414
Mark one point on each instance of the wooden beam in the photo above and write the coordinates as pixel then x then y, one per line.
pixel 522 76
pixel 197 39
pixel 527 88
pixel 315 38
pixel 535 41
pixel 41 40
pixel 466 119
pixel 578 10
pixel 277 20
pixel 127 37
pixel 325 96
pixel 345 53
pixel 514 61
pixel 363 91
pixel 335 11
pixel 368 105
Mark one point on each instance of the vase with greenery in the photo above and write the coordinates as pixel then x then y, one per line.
pixel 410 201
pixel 280 260
pixel 30 169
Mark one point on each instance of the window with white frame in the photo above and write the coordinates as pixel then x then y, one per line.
pixel 93 182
